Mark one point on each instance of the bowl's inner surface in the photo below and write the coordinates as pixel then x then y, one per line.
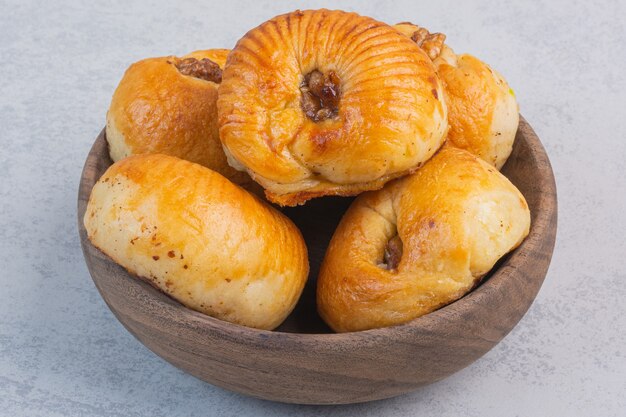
pixel 318 220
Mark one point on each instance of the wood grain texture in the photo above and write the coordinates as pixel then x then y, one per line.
pixel 302 362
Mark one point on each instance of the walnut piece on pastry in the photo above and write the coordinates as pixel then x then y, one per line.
pixel 431 43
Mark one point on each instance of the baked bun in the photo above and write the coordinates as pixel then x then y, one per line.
pixel 483 114
pixel 169 105
pixel 420 243
pixel 321 102
pixel 199 238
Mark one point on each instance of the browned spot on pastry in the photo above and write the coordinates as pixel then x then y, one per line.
pixel 393 253
pixel 185 266
pixel 168 283
pixel 227 279
pixel 434 91
pixel 431 43
pixel 324 136
pixel 155 257
pixel 171 254
pixel 320 95
pixel 204 69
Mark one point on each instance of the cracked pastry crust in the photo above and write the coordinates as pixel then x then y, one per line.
pixel 199 238
pixel 419 243
pixel 321 102
pixel 169 105
pixel 483 114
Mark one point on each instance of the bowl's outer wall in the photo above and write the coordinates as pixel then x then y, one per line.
pixel 328 368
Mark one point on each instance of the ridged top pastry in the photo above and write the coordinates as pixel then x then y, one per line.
pixel 323 102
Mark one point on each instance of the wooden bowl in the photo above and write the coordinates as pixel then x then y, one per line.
pixel 303 362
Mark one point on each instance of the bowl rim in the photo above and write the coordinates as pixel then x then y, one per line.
pixel 544 214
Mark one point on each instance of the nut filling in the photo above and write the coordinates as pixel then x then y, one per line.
pixel 320 95
pixel 204 69
pixel 431 43
pixel 393 253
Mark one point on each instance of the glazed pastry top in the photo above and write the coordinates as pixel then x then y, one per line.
pixel 419 243
pixel 169 105
pixel 199 238
pixel 328 102
pixel 483 112
pixel 483 115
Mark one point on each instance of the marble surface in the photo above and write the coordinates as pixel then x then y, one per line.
pixel 62 353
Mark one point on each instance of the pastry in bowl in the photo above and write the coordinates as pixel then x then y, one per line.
pixel 199 238
pixel 321 102
pixel 483 114
pixel 168 105
pixel 419 243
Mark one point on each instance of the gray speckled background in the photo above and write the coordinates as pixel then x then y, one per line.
pixel 62 353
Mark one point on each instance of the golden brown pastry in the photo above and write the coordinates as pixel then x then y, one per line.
pixel 169 105
pixel 483 114
pixel 321 102
pixel 198 237
pixel 420 243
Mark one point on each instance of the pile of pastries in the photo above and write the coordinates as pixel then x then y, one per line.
pixel 310 104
